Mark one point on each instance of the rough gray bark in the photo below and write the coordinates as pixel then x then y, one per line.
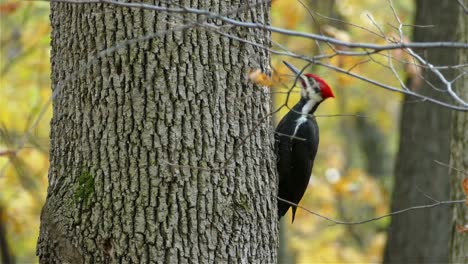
pixel 423 236
pixel 180 98
pixel 459 155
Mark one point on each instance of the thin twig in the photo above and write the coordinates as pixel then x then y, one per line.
pixel 465 9
pixel 450 167
pixel 256 25
pixel 339 222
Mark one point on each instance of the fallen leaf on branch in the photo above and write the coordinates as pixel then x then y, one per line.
pixel 462 229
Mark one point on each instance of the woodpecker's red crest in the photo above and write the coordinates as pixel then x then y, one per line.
pixel 324 87
pixel 310 82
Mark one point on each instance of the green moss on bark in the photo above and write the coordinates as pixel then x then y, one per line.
pixel 85 188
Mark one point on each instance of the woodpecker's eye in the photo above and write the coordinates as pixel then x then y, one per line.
pixel 315 85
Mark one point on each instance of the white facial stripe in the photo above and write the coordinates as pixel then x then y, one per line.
pixel 299 122
pixel 306 82
pixel 309 90
pixel 314 98
pixel 307 107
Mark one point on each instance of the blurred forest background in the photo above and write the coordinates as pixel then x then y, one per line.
pixel 352 178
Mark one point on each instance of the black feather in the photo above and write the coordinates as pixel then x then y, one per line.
pixel 295 150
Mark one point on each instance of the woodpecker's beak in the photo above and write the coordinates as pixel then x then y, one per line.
pixel 295 71
pixel 292 68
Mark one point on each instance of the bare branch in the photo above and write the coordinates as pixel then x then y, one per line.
pixel 450 167
pixel 465 9
pixel 171 164
pixel 339 222
pixel 423 45
pixel 314 60
pixel 426 195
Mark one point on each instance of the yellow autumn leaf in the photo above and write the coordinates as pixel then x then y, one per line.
pixel 260 78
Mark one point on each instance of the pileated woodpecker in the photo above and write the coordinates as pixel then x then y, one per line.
pixel 297 139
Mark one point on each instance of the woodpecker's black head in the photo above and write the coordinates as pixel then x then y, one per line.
pixel 314 88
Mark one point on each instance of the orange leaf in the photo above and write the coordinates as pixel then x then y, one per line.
pixel 462 229
pixel 260 78
pixel 8 8
pixel 465 185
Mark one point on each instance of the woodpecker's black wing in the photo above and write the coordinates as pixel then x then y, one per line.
pixel 296 147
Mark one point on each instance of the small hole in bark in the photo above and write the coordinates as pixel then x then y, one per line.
pixel 107 246
pixel 118 68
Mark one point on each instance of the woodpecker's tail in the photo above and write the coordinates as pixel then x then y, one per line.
pixel 282 208
pixel 293 213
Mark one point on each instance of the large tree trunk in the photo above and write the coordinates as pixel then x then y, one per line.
pixel 423 236
pixel 459 155
pixel 118 125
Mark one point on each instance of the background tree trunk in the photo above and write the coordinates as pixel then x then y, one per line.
pixel 180 98
pixel 423 236
pixel 459 155
pixel 6 256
